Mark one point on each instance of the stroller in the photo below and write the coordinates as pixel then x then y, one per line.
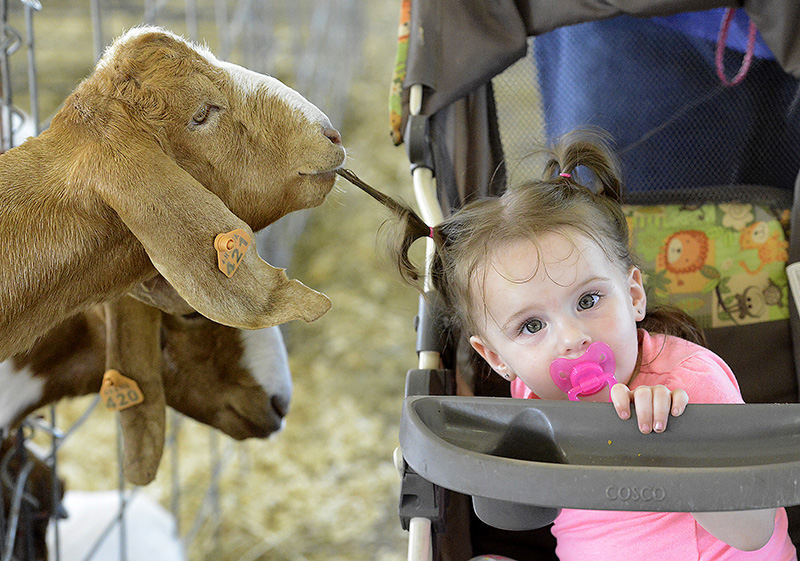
pixel 475 83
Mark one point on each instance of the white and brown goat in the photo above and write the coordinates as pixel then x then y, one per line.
pixel 234 380
pixel 154 154
pixel 237 381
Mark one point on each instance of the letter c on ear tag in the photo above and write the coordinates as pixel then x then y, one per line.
pixel 231 248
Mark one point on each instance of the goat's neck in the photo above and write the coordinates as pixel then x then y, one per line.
pixel 64 250
pixel 69 359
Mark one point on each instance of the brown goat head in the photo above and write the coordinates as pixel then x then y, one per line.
pixel 197 147
pixel 237 381
pixel 162 148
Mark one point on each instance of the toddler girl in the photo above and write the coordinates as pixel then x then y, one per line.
pixel 544 273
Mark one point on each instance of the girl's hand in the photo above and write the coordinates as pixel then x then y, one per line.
pixel 653 405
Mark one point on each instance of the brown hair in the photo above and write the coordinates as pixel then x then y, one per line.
pixel 556 202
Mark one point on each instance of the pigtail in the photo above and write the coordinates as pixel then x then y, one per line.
pixel 410 227
pixel 589 149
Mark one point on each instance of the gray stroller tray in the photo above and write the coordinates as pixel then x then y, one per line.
pixel 516 456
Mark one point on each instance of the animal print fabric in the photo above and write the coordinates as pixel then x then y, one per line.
pixel 722 263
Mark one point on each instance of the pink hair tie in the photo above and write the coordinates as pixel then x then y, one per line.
pixel 430 232
pixel 722 38
pixel 564 174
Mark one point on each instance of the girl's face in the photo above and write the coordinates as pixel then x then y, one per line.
pixel 553 303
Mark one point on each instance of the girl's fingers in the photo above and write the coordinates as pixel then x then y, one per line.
pixel 621 399
pixel 662 402
pixel 680 399
pixel 643 400
pixel 654 404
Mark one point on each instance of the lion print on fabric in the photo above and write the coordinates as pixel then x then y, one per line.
pixel 721 263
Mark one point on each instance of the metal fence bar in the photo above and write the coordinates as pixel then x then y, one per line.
pixel 191 20
pixel 32 6
pixel 123 502
pixel 97 29
pixel 56 484
pixel 9 43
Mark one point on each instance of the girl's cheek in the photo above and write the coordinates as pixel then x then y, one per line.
pixel 544 389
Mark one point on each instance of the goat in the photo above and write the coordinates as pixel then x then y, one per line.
pixel 237 381
pixel 157 152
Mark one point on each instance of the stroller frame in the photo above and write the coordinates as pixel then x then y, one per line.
pixel 435 424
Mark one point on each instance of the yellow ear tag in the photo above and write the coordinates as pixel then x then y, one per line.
pixel 231 248
pixel 119 392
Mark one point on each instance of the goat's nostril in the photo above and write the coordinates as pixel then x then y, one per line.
pixel 333 135
pixel 280 404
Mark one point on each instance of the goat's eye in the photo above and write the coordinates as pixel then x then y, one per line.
pixel 201 115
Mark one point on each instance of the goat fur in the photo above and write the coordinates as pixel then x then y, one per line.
pixel 192 364
pixel 156 152
pixel 202 365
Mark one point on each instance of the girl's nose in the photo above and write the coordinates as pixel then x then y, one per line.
pixel 573 340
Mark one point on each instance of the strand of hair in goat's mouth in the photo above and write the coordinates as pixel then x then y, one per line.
pixel 385 200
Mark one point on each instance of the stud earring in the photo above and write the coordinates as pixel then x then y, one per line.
pixel 503 371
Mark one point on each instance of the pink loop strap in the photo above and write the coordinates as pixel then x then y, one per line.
pixel 567 175
pixel 722 39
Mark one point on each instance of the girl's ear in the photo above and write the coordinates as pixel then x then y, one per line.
pixel 638 295
pixel 492 358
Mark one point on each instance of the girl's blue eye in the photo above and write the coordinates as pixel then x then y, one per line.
pixel 588 301
pixel 532 326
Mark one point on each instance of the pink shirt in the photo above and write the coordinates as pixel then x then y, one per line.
pixel 675 536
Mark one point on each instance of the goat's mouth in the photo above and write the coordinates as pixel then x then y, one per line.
pixel 323 168
pixel 329 173
pixel 319 184
pixel 321 175
pixel 240 426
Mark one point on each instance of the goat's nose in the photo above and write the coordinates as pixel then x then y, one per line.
pixel 332 134
pixel 280 405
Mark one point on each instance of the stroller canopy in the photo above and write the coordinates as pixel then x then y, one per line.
pixel 456 45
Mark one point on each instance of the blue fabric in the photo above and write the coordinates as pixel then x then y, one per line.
pixel 656 91
pixel 706 25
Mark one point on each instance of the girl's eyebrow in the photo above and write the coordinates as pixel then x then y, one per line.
pixel 516 318
pixel 528 311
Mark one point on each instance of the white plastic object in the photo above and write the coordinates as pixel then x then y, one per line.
pixel 419 540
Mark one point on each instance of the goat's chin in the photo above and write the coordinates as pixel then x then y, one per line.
pixel 311 189
pixel 240 427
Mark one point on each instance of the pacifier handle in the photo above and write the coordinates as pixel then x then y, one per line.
pixel 587 374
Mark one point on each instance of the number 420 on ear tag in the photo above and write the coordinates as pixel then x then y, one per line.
pixel 119 392
pixel 231 248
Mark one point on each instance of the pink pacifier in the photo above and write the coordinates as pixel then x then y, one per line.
pixel 587 374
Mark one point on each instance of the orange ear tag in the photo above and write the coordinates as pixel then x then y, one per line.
pixel 231 248
pixel 119 392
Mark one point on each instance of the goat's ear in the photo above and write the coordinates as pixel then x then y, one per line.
pixel 158 293
pixel 133 348
pixel 177 219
